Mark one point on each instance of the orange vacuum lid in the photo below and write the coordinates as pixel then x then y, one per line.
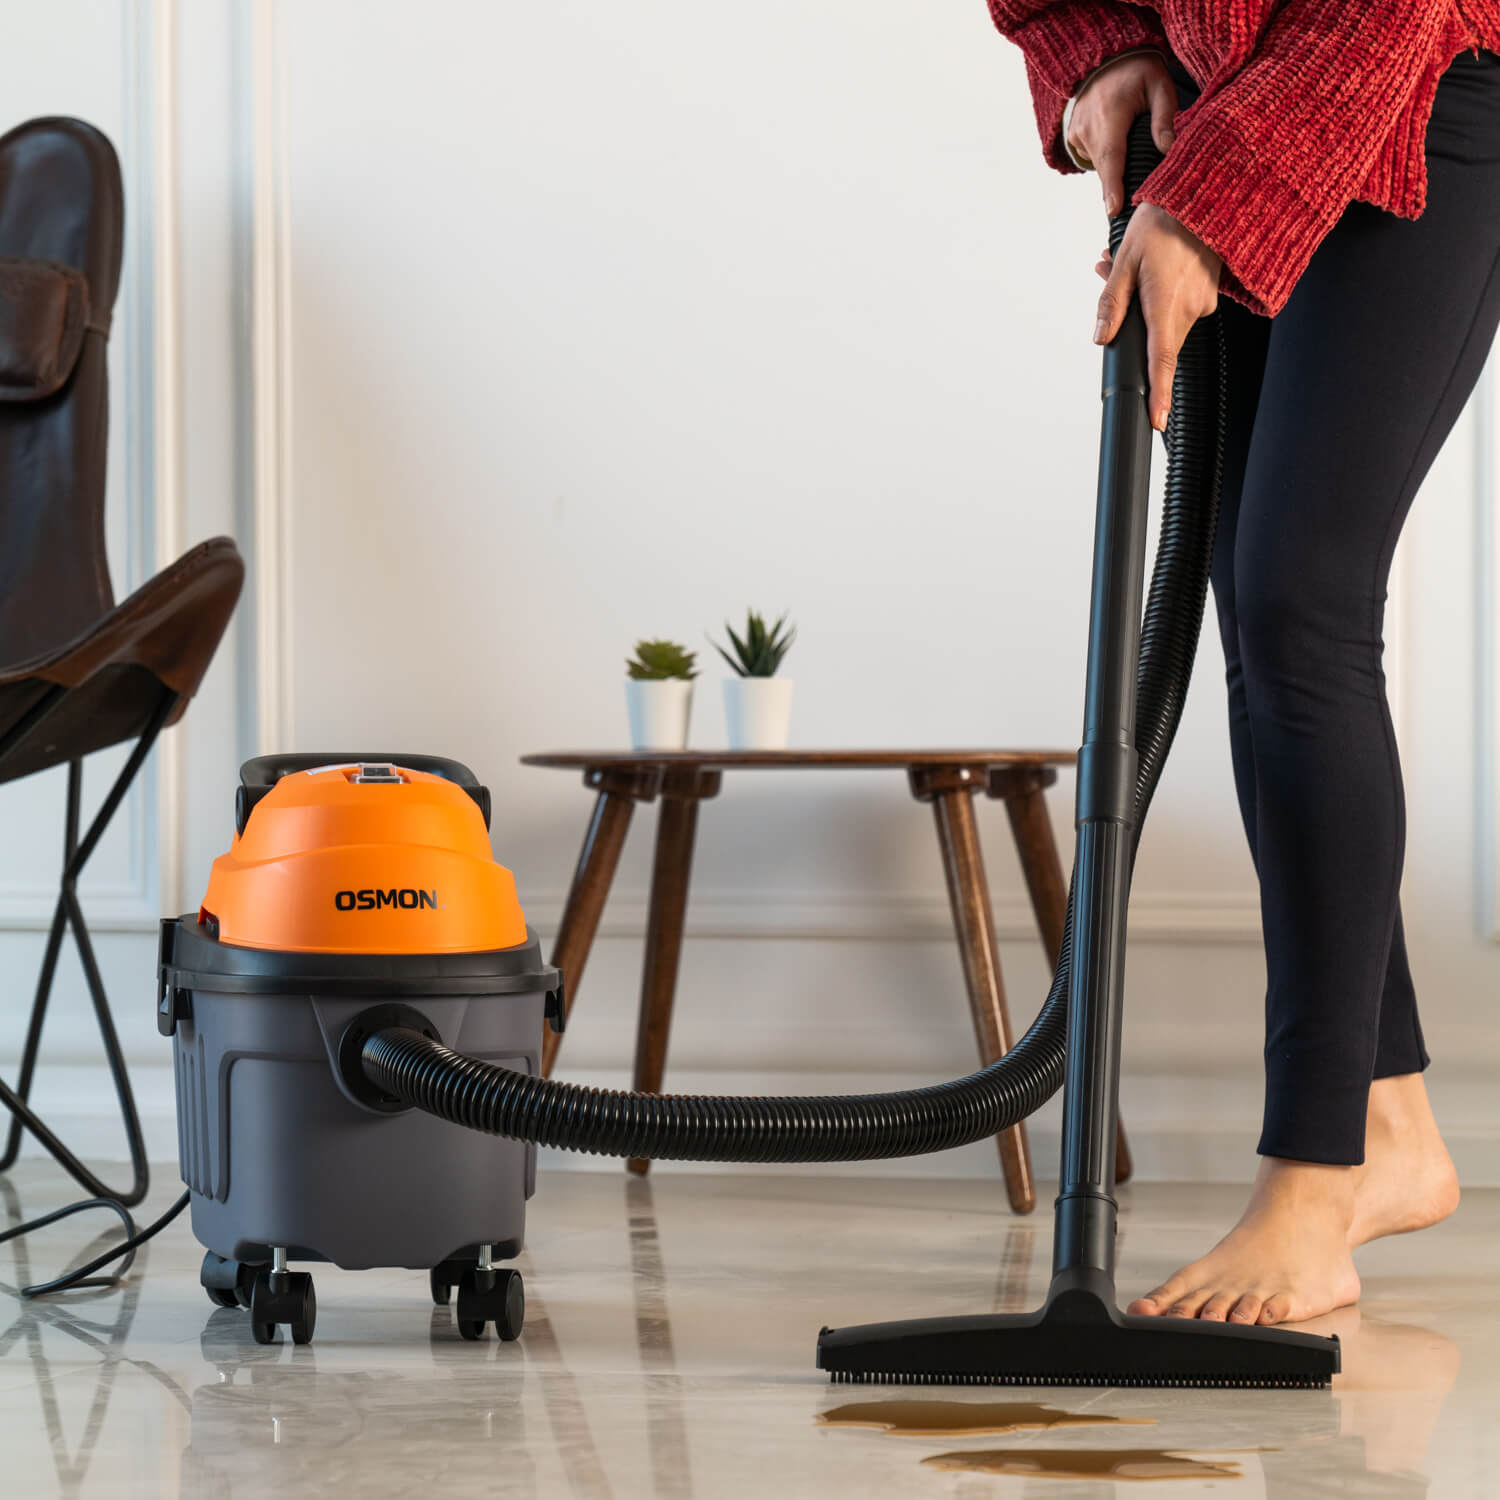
pixel 364 857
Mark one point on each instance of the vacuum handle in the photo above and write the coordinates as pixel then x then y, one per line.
pixel 259 775
pixel 264 771
pixel 1106 772
pixel 1125 362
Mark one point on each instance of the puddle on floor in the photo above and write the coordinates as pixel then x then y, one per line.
pixel 1087 1463
pixel 965 1418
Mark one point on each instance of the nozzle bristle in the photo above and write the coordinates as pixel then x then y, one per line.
pixel 1099 1378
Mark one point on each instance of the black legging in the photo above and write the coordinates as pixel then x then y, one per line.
pixel 1337 408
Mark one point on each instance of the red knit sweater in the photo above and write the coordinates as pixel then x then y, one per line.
pixel 1306 105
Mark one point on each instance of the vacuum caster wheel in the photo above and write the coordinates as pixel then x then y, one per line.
pixel 513 1313
pixel 302 1326
pixel 278 1297
pixel 497 1297
pixel 444 1276
pixel 225 1281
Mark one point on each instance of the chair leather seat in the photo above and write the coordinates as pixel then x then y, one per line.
pixel 62 205
pixel 163 636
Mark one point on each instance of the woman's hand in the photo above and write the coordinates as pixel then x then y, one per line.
pixel 1177 279
pixel 1105 110
pixel 1174 272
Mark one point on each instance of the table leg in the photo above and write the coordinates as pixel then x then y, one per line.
pixel 951 792
pixel 618 794
pixel 676 829
pixel 1026 804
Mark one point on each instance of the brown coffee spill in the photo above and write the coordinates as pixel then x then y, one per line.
pixel 964 1418
pixel 1086 1463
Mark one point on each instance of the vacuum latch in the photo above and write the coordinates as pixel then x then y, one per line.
pixel 173 1003
pixel 377 773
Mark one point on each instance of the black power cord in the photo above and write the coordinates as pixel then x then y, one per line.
pixel 84 1275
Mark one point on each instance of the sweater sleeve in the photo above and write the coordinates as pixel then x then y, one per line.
pixel 1263 165
pixel 1063 41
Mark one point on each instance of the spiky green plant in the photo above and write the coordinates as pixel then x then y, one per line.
pixel 759 652
pixel 660 661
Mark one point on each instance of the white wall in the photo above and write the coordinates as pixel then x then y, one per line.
pixel 575 323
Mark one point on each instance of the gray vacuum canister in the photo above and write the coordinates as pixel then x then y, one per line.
pixel 360 892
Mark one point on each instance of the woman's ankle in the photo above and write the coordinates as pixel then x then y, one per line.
pixel 1399 1104
pixel 1310 1184
pixel 1408 1179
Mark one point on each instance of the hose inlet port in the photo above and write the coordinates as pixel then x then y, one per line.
pixel 357 1084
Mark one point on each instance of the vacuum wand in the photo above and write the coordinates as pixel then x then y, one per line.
pixel 1106 817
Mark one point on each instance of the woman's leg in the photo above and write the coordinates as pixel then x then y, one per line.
pixel 1399 1047
pixel 1407 1179
pixel 1365 372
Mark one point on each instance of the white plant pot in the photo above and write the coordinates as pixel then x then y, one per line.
pixel 758 711
pixel 659 712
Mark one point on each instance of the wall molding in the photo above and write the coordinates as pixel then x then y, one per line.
pixel 116 907
pixel 271 380
pixel 167 400
pixel 1487 654
pixel 823 915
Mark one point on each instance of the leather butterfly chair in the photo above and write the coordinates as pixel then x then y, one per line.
pixel 78 672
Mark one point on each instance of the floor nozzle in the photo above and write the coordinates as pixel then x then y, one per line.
pixel 1078 1337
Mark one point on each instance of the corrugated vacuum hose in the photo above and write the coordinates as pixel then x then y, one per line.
pixel 423 1073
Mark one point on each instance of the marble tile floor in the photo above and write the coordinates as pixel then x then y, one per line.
pixel 668 1353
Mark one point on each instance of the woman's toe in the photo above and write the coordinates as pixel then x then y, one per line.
pixel 1216 1309
pixel 1188 1305
pixel 1246 1310
pixel 1156 1300
pixel 1278 1309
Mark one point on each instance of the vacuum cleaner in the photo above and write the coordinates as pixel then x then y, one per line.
pixel 357 1008
pixel 360 895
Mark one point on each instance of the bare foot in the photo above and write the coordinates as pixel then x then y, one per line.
pixel 1407 1181
pixel 1286 1260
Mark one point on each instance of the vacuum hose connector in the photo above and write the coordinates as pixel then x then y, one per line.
pixel 401 1062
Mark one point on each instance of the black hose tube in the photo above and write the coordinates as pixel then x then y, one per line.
pixel 861 1127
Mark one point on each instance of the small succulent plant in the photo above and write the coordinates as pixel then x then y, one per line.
pixel 659 661
pixel 761 649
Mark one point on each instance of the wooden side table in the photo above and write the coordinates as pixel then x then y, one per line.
pixel 946 779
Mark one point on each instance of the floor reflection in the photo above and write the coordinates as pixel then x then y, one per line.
pixel 100 1319
pixel 566 1408
pixel 1013 1275
pixel 666 1432
pixel 284 1427
pixel 1396 1377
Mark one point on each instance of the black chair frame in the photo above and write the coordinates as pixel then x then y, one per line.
pixel 69 915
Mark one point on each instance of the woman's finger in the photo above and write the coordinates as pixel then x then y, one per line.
pixel 1163 95
pixel 1109 162
pixel 1164 340
pixel 1114 300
